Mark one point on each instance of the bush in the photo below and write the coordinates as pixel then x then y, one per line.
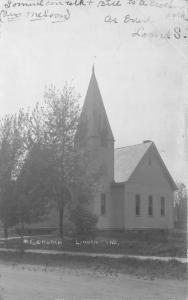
pixel 84 221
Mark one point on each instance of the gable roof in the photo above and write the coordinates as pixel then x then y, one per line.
pixel 127 159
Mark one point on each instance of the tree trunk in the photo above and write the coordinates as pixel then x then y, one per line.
pixel 22 238
pixel 61 220
pixel 5 231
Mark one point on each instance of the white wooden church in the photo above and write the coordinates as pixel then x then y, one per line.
pixel 137 190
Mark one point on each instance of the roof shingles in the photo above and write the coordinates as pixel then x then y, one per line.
pixel 127 159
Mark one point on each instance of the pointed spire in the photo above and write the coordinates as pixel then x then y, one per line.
pixel 94 109
pixel 93 69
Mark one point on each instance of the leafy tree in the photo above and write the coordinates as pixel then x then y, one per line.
pixel 24 169
pixel 36 127
pixel 72 181
pixel 84 221
pixel 61 113
pixel 180 206
pixel 8 207
pixel 33 185
pixel 54 125
pixel 38 154
pixel 11 155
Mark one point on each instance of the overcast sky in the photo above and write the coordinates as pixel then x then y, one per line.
pixel 143 81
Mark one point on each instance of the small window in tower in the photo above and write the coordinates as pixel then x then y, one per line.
pixel 137 205
pixel 103 204
pixel 150 206
pixel 162 206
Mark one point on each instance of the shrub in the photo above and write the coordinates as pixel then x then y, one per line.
pixel 84 221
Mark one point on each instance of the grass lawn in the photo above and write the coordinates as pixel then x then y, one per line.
pixel 108 266
pixel 151 243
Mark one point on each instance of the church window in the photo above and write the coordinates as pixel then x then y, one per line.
pixel 162 206
pixel 137 205
pixel 103 204
pixel 150 206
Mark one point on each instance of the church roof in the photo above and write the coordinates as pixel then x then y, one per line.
pixel 127 159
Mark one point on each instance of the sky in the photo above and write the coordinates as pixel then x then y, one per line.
pixel 143 81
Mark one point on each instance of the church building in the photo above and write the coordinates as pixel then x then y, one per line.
pixel 136 190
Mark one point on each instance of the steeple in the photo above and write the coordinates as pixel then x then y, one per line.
pixel 94 115
pixel 94 132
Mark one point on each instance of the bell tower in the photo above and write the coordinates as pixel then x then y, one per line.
pixel 94 130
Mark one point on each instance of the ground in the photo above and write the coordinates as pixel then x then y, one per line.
pixel 149 243
pixel 20 281
pixel 66 277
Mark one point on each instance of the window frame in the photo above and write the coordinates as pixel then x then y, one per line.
pixel 137 205
pixel 162 206
pixel 150 206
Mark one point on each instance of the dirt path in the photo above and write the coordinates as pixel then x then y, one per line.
pixel 29 282
pixel 90 254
